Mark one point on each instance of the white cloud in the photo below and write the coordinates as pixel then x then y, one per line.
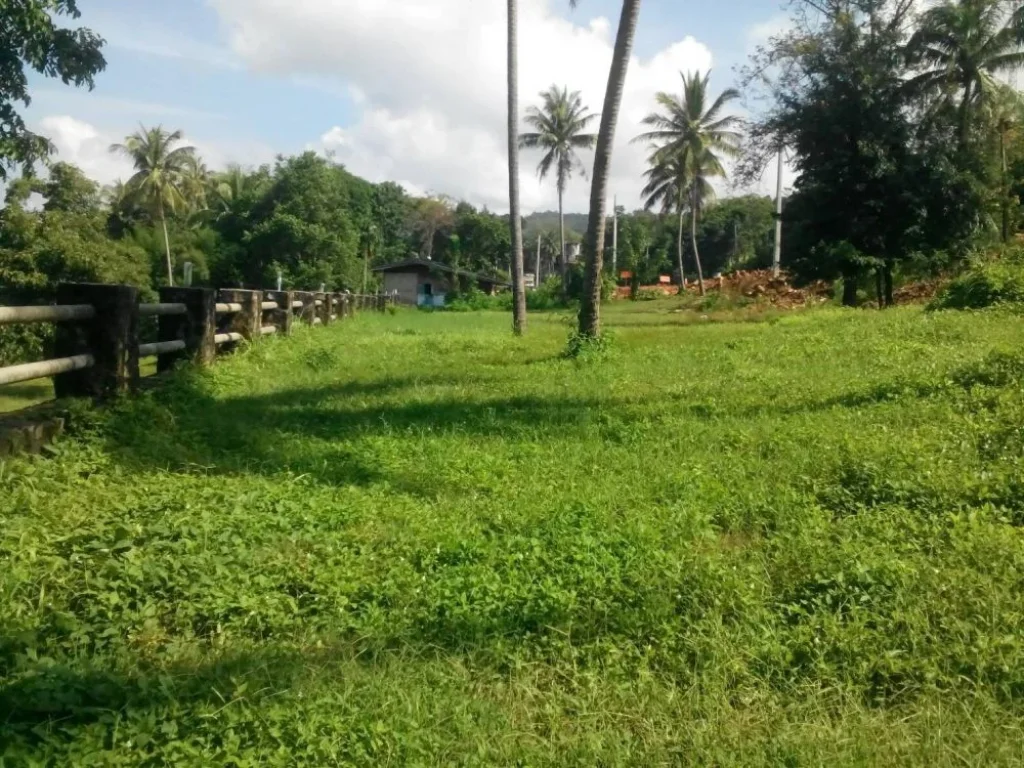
pixel 83 144
pixel 429 81
pixel 763 31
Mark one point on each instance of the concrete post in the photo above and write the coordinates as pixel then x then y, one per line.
pixel 111 337
pixel 324 310
pixel 281 318
pixel 248 321
pixel 196 327
pixel 308 311
pixel 329 309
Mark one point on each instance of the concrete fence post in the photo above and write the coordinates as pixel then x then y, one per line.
pixel 281 318
pixel 196 327
pixel 247 322
pixel 111 337
pixel 308 311
pixel 324 310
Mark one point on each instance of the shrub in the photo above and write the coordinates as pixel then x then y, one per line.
pixel 987 282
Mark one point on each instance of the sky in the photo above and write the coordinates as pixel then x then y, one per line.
pixel 411 91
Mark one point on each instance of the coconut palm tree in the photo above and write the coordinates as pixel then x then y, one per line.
pixel 229 186
pixel 667 188
pixel 590 303
pixel 560 125
pixel 160 168
pixel 691 132
pixel 702 168
pixel 1004 115
pixel 196 183
pixel 961 45
pixel 514 218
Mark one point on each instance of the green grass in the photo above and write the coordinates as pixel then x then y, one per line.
pixel 15 397
pixel 416 540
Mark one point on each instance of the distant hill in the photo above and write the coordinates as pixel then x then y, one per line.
pixel 545 221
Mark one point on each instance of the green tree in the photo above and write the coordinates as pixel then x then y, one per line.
pixel 667 183
pixel 691 135
pixel 304 222
pixel 737 233
pixel 560 131
pixel 196 184
pixel 962 45
pixel 590 303
pixel 431 215
pixel 390 214
pixel 1004 115
pixel 160 169
pixel 31 38
pixel 69 190
pixel 483 239
pixel 876 181
pixel 704 166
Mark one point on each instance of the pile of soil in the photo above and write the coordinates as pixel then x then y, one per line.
pixel 761 284
pixel 917 293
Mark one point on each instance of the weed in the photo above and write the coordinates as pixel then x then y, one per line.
pixel 414 539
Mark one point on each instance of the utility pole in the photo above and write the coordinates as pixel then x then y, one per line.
pixel 615 239
pixel 777 257
pixel 536 270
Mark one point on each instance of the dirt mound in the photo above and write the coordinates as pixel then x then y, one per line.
pixel 917 293
pixel 762 285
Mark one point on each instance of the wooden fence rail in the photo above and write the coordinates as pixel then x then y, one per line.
pixel 97 349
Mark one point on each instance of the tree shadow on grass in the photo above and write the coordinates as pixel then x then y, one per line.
pixel 185 426
pixel 81 694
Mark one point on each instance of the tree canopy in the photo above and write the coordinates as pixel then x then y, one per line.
pixel 31 39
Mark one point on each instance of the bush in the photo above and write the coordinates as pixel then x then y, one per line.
pixel 548 296
pixel 987 282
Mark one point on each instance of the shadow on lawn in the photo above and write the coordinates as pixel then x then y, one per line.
pixel 68 696
pixel 184 426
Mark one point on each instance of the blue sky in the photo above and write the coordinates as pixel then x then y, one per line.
pixel 412 91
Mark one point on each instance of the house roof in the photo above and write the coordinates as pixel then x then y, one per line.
pixel 400 266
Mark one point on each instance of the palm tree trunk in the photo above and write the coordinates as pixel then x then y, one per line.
pixel 590 304
pixel 965 116
pixel 679 253
pixel 1006 192
pixel 693 240
pixel 563 263
pixel 515 221
pixel 167 246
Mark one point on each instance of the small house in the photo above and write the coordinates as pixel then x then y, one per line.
pixel 425 283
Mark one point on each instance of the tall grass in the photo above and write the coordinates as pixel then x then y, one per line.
pixel 417 540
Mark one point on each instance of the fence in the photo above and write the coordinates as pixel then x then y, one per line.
pixel 97 348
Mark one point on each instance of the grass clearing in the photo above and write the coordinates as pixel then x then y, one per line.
pixel 417 540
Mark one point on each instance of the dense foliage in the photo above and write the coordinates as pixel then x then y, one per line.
pixel 989 281
pixel 415 540
pixel 895 164
pixel 30 37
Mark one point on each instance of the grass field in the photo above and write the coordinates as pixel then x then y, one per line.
pixel 415 540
